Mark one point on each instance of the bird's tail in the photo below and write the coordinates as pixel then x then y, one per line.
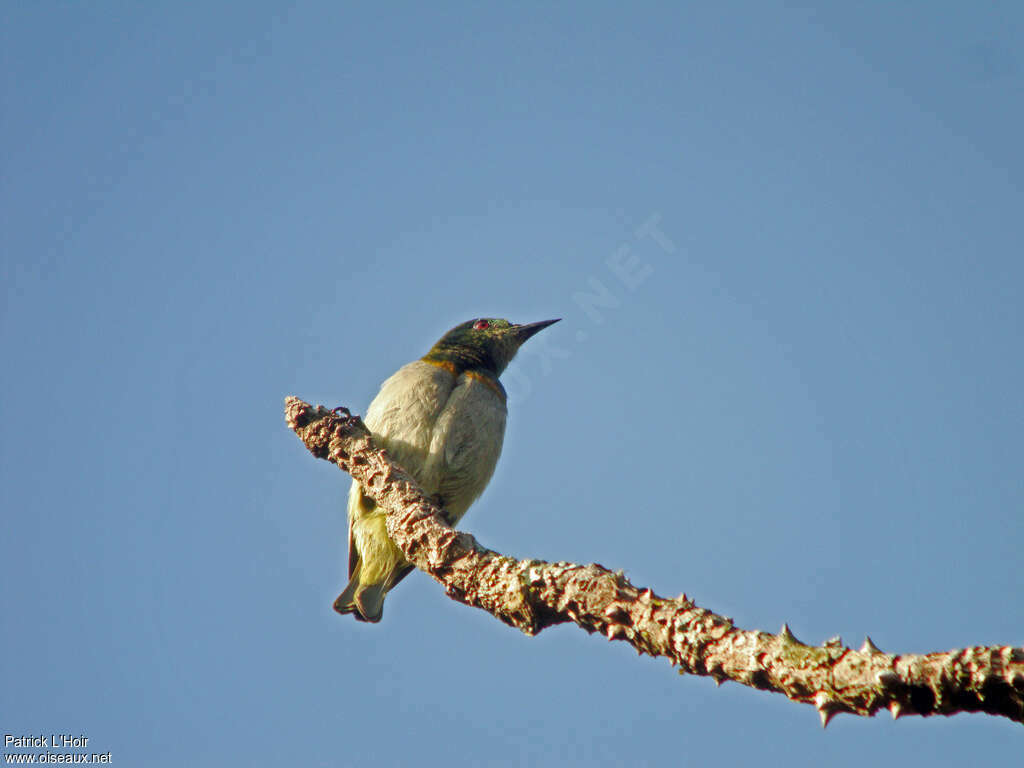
pixel 365 601
pixel 375 564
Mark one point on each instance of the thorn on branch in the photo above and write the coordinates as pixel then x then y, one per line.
pixel 868 646
pixel 827 708
pixel 787 635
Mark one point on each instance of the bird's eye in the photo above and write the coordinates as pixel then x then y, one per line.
pixel 481 324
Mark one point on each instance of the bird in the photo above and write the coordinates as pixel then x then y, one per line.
pixel 442 418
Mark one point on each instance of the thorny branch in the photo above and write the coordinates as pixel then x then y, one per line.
pixel 532 595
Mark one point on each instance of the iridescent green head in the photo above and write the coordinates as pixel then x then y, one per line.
pixel 485 344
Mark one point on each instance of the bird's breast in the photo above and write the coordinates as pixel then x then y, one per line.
pixel 405 411
pixel 447 429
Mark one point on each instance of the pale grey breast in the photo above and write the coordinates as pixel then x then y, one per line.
pixel 448 432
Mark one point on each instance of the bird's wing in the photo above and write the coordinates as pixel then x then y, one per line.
pixel 359 506
pixel 404 415
pixel 353 553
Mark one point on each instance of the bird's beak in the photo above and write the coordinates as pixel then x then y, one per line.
pixel 523 332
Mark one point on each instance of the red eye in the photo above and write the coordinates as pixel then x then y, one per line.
pixel 481 324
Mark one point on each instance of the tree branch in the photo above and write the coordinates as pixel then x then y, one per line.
pixel 532 595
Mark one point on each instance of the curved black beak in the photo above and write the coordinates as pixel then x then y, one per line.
pixel 523 332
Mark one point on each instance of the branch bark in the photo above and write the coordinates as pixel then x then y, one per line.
pixel 532 595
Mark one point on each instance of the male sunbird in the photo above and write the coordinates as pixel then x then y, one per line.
pixel 442 417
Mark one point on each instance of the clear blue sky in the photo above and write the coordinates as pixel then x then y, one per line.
pixel 804 405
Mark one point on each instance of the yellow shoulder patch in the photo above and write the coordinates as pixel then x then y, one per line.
pixel 490 381
pixel 445 364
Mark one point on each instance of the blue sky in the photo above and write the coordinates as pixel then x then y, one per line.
pixel 803 405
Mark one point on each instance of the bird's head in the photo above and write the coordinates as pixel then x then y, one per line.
pixel 484 344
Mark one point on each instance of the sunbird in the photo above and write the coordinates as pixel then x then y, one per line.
pixel 442 418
